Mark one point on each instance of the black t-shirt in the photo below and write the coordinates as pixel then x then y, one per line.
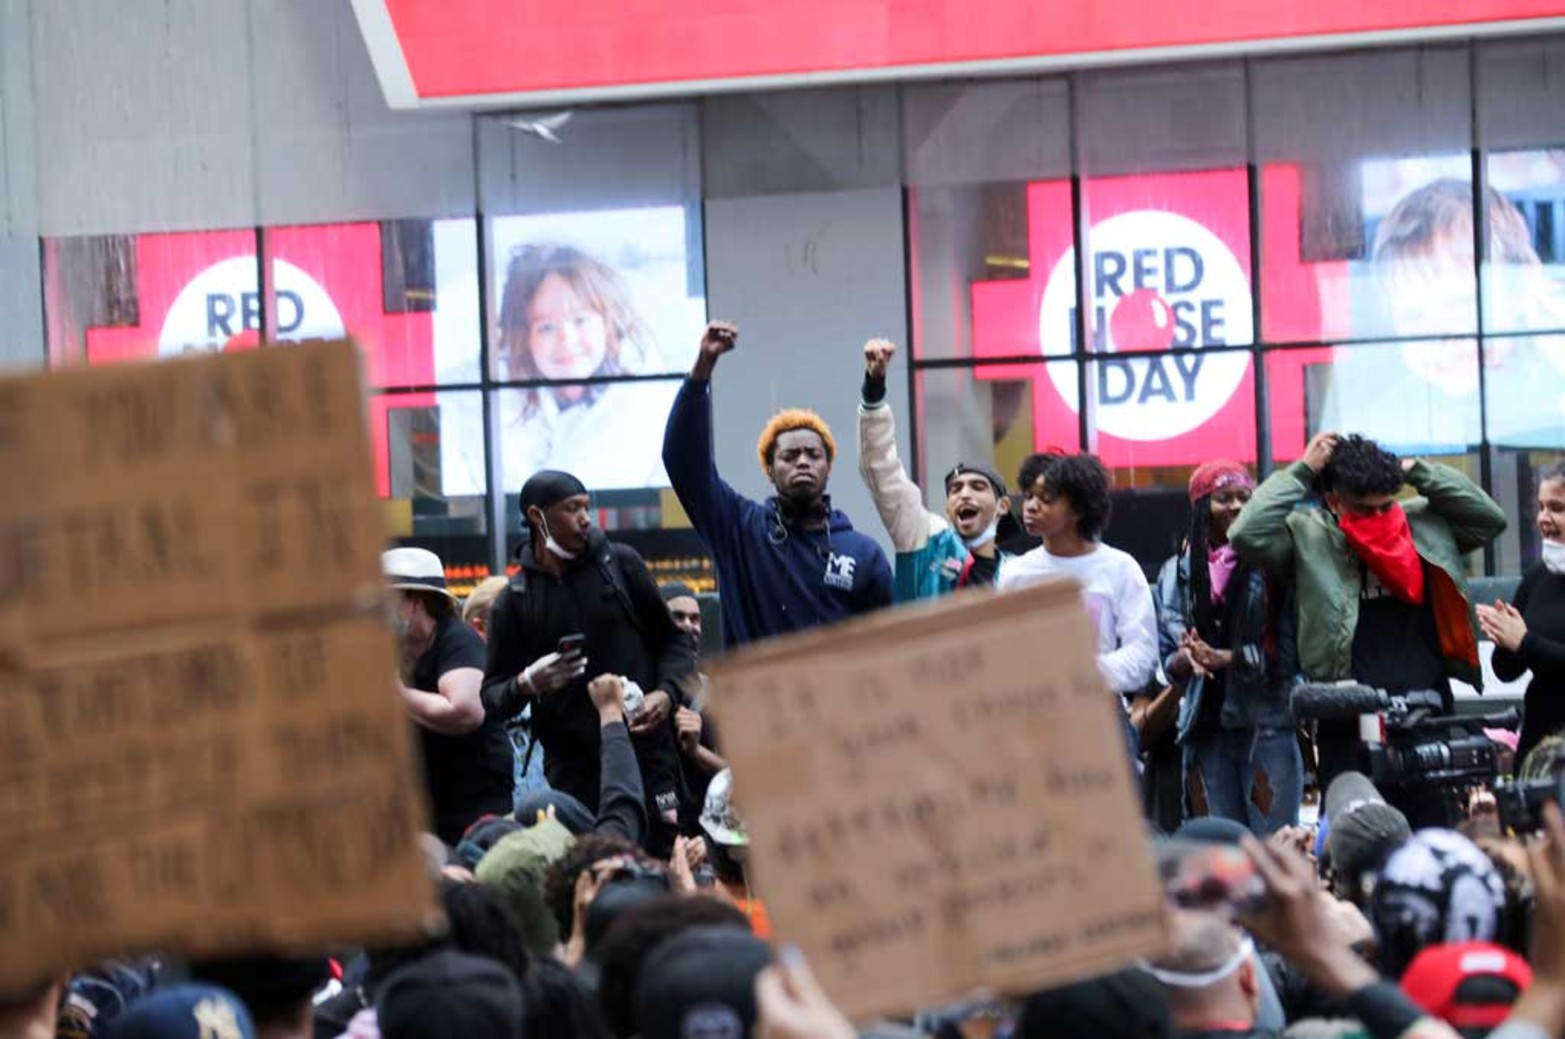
pixel 983 570
pixel 1396 647
pixel 469 775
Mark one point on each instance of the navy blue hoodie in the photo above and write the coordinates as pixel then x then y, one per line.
pixel 774 576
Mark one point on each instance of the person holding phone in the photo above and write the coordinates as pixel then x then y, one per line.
pixel 578 607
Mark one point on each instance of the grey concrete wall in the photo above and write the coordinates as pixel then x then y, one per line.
pixel 808 278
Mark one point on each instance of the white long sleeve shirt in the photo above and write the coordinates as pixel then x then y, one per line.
pixel 1117 598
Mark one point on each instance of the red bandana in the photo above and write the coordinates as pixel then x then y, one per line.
pixel 1384 542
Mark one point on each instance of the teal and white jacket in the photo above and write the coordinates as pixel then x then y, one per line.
pixel 931 559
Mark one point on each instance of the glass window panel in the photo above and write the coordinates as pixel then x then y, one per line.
pixel 1416 398
pixel 983 257
pixel 1165 201
pixel 791 141
pixel 405 290
pixel 582 159
pixel 1524 259
pixel 595 294
pixel 975 133
pixel 1524 388
pixel 989 169
pixel 998 414
pixel 408 434
pixel 1519 92
pixel 21 304
pixel 127 297
pixel 1365 167
pixel 1518 474
pixel 610 435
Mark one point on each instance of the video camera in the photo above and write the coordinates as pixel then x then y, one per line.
pixel 1521 801
pixel 1407 737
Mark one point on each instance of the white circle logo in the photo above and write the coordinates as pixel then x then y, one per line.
pixel 1159 281
pixel 220 308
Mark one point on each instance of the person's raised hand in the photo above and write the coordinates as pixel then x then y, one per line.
pixel 791 1004
pixel 654 712
pixel 588 883
pixel 679 867
pixel 1191 649
pixel 552 672
pixel 608 696
pixel 719 338
pixel 1296 920
pixel 877 357
pixel 687 727
pixel 1503 624
pixel 1320 449
pixel 1206 657
pixel 1299 839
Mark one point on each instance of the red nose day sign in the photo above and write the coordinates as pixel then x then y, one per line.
pixel 1168 284
pixel 198 292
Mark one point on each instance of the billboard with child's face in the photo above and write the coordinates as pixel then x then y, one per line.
pixel 607 295
pixel 1169 293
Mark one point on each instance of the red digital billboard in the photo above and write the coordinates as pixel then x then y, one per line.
pixel 520 51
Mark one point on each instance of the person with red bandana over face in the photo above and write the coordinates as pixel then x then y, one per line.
pixel 1380 585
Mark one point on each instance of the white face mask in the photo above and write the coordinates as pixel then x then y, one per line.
pixel 987 535
pixel 553 547
pixel 1554 556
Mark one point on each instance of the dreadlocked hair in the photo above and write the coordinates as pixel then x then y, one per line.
pixel 1199 540
pixel 786 422
pixel 1202 610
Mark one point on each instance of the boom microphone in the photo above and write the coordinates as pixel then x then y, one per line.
pixel 1336 700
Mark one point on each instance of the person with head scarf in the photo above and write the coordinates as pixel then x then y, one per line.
pixel 579 607
pixel 1226 634
pixel 789 562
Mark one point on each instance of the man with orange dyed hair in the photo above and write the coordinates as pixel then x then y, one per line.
pixel 791 561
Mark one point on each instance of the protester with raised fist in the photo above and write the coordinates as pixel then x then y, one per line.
pixel 791 561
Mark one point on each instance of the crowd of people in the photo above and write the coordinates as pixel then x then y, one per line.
pixel 609 897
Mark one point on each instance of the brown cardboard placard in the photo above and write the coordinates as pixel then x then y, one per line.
pixel 203 749
pixel 938 800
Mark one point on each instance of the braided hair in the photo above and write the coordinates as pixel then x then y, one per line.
pixel 1202 611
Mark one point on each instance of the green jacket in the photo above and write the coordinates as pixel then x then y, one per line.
pixel 1279 530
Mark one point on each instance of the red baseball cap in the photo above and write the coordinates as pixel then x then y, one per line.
pixel 1468 985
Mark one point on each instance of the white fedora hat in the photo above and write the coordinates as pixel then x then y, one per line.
pixel 415 570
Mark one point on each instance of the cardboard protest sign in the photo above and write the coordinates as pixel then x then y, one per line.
pixel 203 749
pixel 939 799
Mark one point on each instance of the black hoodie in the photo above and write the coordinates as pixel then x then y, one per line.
pixel 629 632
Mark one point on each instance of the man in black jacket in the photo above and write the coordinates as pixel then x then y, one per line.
pixel 576 585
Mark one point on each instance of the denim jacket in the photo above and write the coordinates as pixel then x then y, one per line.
pixel 1259 691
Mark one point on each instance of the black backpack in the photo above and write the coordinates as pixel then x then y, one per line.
pixel 613 581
